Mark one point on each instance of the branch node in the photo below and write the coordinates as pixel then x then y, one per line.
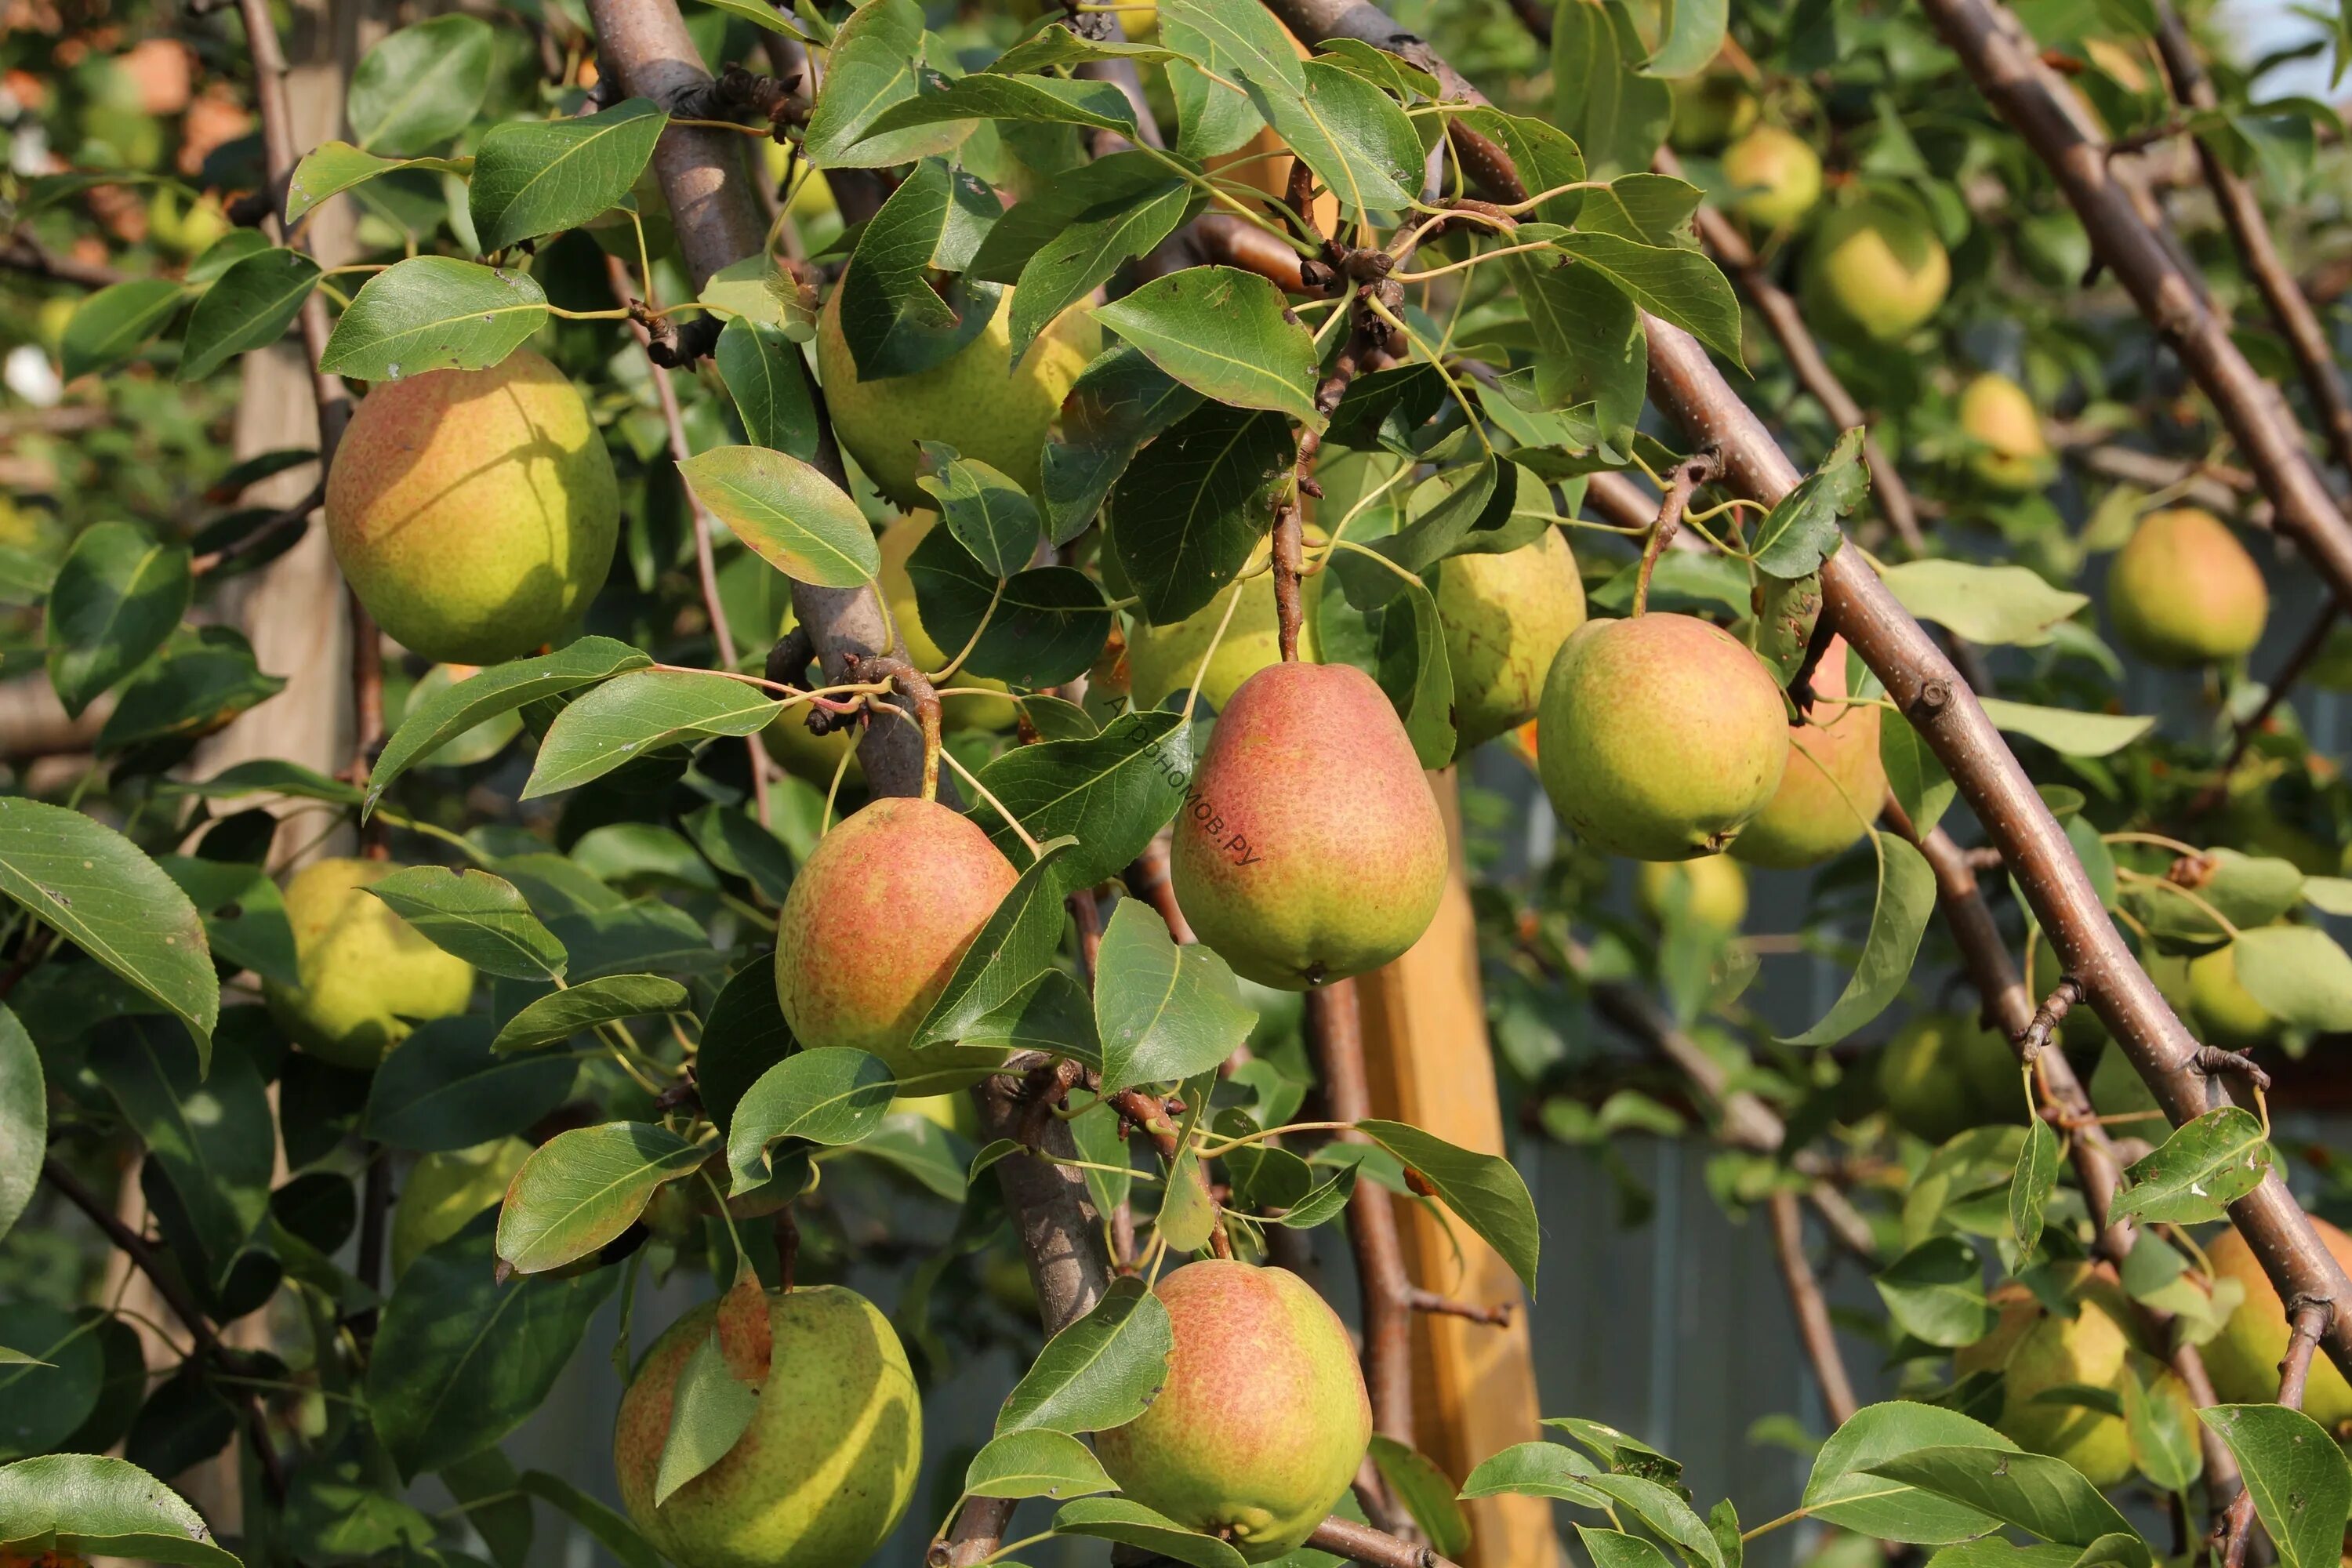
pixel 2212 1061
pixel 2034 1038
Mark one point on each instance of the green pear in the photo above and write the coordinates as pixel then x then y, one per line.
pixel 446 1190
pixel 365 974
pixel 826 1466
pixel 1165 659
pixel 1830 792
pixel 978 401
pixel 2225 1012
pixel 1505 617
pixel 1941 1075
pixel 2012 453
pixel 873 927
pixel 1775 177
pixel 474 512
pixel 2243 1359
pixel 1875 271
pixel 1661 736
pixel 1718 890
pixel 2183 591
pixel 897 542
pixel 1309 847
pixel 1263 1420
pixel 1711 107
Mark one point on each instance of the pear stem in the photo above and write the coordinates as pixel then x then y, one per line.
pixel 1690 475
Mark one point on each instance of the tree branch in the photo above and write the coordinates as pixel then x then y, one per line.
pixel 1814 1326
pixel 1373 1548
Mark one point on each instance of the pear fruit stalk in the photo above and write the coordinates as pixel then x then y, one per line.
pixel 1309 847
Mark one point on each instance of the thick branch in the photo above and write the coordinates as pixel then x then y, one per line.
pixel 1362 1544
pixel 1335 1030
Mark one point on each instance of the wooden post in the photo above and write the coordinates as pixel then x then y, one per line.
pixel 1426 1054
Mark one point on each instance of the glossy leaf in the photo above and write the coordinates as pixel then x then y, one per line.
pixel 2198 1170
pixel 333 167
pixel 2035 1493
pixel 993 518
pixel 118 595
pixel 1536 1469
pixel 1935 1292
pixel 421 85
pixel 93 1506
pixel 458 708
pixel 1193 503
pixel 1035 1462
pixel 542 177
pixel 829 1096
pixel 583 1188
pixel 769 384
pixel 1484 1190
pixel 116 322
pixel 1353 135
pixel 2301 1488
pixel 709 1410
pixel 2298 974
pixel 24 1119
pixel 1906 898
pixel 1015 946
pixel 787 513
pixel 1120 401
pixel 871 67
pixel 434 312
pixel 480 917
pixel 1842 1492
pixel 1100 1372
pixel 551 1020
pixel 1414 1480
pixel 1116 1519
pixel 249 307
pixel 1223 333
pixel 2065 731
pixel 1112 792
pixel 1164 1012
pixel 639 713
pixel 2030 1188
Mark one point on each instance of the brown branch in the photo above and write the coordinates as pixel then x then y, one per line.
pixel 23 253
pixel 1691 473
pixel 1374 1548
pixel 261 532
pixel 1814 1326
pixel 1150 879
pixel 1422 1301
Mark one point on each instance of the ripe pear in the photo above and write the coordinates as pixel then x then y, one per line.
pixel 1876 271
pixel 2037 1351
pixel 897 542
pixel 978 401
pixel 2012 453
pixel 1505 617
pixel 1263 1420
pixel 826 1466
pixel 2183 591
pixel 1718 890
pixel 1164 659
pixel 1710 108
pixel 2243 1359
pixel 1775 177
pixel 873 927
pixel 1830 792
pixel 2224 1011
pixel 365 974
pixel 1309 847
pixel 1941 1075
pixel 474 512
pixel 446 1190
pixel 1662 736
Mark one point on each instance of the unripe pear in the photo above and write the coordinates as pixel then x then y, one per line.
pixel 963 712
pixel 446 1190
pixel 2012 453
pixel 1262 1421
pixel 1309 847
pixel 1830 792
pixel 1775 177
pixel 978 401
pixel 1718 890
pixel 1941 1075
pixel 1164 659
pixel 1505 617
pixel 1662 736
pixel 474 512
pixel 873 927
pixel 826 1466
pixel 365 974
pixel 2226 1013
pixel 1875 271
pixel 1710 108
pixel 2184 592
pixel 2244 1358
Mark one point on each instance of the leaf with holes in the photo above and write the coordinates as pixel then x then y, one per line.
pixel 2199 1171
pixel 2301 1488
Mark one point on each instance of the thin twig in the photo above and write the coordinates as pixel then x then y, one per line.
pixel 1814 1330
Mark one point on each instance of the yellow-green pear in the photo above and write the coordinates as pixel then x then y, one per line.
pixel 1505 617
pixel 474 512
pixel 1941 1075
pixel 1309 847
pixel 2224 1011
pixel 1263 1420
pixel 1710 108
pixel 2012 452
pixel 366 974
pixel 1875 271
pixel 1830 792
pixel 1662 736
pixel 1717 896
pixel 446 1190
pixel 977 402
pixel 826 1466
pixel 1164 659
pixel 960 713
pixel 1774 175
pixel 873 927
pixel 2243 1359
pixel 953 1112
pixel 2183 591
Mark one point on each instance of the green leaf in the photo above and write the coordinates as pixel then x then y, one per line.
pixel 1058 245
pixel 769 381
pixel 639 713
pixel 48 1393
pixel 116 322
pixel 333 167
pixel 755 290
pixel 1035 1462
pixel 1935 1292
pixel 1223 333
pixel 583 1187
pixel 1547 159
pixel 988 514
pixel 743 1035
pixel 1679 286
pixel 480 917
pixel 2030 1188
pixel 444 1089
pixel 2301 1488
pixel 1099 1373
pixel 1322 1201
pixel 1536 1469
pixel 2008 604
pixel 2199 1171
pixel 1164 1012
pixel 249 308
pixel 245 914
pixel 94 1506
pixel 205 678
pixel 434 312
pixel 2298 974
pixel 1663 1510
pixel 611 1530
pixel 2164 1444
pixel 458 708
pixel 2065 731
pixel 921 1149
pixel 1591 349
pixel 2037 1494
pixel 1193 505
pixel 207 1131
pixel 710 1409
pixel 1187 1214
pixel 1616 1549
pixel 787 513
pixel 1801 530
pixel 1036 101
pixel 872 66
pixel 421 85
pixel 118 595
pixel 1120 401
pixel 1485 1190
pixel 1353 135
pixel 542 176
pixel 1052 1014
pixel 24 1119
pixel 1112 792
pixel 97 890
pixel 551 1020
pixel 1906 896
pixel 1129 1523
pixel 1694 32
pixel 830 1096
pixel 1842 1492
pixel 461 1359
pixel 1922 788
pixel 1048 625
pixel 1015 946
pixel 893 319
pixel 1414 1480
pixel 1617 116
